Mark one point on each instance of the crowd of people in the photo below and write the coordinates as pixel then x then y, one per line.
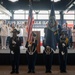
pixel 6 33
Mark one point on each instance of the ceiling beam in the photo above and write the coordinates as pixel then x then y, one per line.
pixel 69 5
pixel 4 10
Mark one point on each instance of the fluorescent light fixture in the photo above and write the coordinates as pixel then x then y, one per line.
pixel 69 7
pixel 13 0
pixel 74 2
pixel 55 0
pixel 5 11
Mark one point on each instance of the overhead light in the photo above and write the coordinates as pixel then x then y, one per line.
pixel 55 0
pixel 69 7
pixel 74 2
pixel 13 0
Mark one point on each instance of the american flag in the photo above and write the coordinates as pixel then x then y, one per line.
pixel 30 22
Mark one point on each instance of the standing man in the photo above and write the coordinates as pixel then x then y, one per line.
pixel 51 35
pixel 14 45
pixel 31 53
pixel 67 32
pixel 63 44
pixel 25 33
pixel 9 34
pixel 48 53
pixel 4 34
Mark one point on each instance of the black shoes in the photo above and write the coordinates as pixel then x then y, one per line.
pixel 12 72
pixel 63 71
pixel 17 72
pixel 48 72
pixel 31 71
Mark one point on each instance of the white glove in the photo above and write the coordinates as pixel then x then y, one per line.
pixel 29 45
pixel 63 44
pixel 62 53
pixel 30 53
pixel 12 52
pixel 13 42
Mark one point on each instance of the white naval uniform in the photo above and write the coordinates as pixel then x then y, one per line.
pixel 25 35
pixel 10 31
pixel 4 34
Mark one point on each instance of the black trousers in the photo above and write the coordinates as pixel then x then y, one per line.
pixel 63 61
pixel 31 61
pixel 48 61
pixel 15 61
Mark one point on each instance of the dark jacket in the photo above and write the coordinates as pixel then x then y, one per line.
pixel 15 47
pixel 60 44
pixel 34 45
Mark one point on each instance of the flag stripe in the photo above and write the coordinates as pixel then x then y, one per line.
pixel 30 23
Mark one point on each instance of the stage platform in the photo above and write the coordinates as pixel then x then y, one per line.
pixel 39 70
pixel 5 57
pixel 23 51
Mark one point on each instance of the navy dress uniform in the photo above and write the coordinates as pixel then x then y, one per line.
pixel 14 45
pixel 48 56
pixel 31 54
pixel 48 53
pixel 63 44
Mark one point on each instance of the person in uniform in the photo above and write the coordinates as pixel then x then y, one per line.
pixel 67 31
pixel 31 53
pixel 48 55
pixel 25 33
pixel 9 34
pixel 4 34
pixel 14 45
pixel 63 44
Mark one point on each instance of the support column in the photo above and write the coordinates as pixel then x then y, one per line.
pixel 61 18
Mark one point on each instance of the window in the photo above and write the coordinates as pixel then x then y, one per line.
pixel 43 12
pixel 18 16
pixel 33 16
pixel 3 16
pixel 70 12
pixel 57 16
pixel 69 17
pixel 43 16
pixel 19 11
pixel 57 12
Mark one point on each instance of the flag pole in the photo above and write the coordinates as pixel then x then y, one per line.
pixel 29 1
pixel 30 21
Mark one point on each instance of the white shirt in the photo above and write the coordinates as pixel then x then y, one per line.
pixel 4 30
pixel 21 32
pixel 10 31
pixel 25 33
